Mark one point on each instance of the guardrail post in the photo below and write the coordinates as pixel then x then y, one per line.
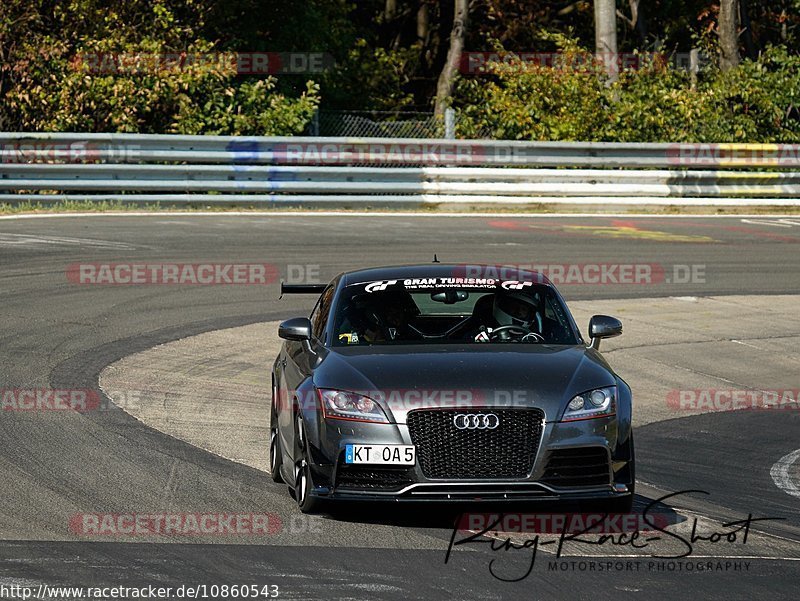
pixel 449 123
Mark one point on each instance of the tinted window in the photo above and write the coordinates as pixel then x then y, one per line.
pixel 373 313
pixel 319 316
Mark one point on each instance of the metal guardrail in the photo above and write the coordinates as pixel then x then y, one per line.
pixel 213 169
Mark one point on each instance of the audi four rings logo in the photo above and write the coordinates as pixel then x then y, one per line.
pixel 476 421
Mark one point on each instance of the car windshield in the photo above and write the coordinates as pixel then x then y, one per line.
pixel 436 310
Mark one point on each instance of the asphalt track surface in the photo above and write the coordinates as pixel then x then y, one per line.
pixel 59 334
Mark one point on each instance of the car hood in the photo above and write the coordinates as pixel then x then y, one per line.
pixel 492 375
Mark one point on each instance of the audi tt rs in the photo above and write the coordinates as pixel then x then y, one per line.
pixel 448 383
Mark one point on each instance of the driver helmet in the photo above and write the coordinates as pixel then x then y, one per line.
pixel 515 308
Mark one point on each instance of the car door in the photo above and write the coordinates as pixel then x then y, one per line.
pixel 298 365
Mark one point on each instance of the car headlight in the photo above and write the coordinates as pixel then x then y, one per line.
pixel 600 402
pixel 338 404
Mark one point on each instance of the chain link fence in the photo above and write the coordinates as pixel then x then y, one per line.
pixel 385 124
pixel 377 124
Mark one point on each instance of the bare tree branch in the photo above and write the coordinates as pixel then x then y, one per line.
pixel 444 87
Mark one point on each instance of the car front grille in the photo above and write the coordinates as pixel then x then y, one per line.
pixel 585 466
pixel 446 452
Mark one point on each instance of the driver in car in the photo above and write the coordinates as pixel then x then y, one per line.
pixel 515 316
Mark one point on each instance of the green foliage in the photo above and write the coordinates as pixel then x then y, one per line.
pixel 532 101
pixel 109 74
pixel 249 108
pixel 373 78
pixel 758 102
pixel 74 206
pixel 391 62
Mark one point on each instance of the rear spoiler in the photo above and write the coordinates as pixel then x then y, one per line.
pixel 302 288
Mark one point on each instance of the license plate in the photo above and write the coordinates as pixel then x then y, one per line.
pixel 381 454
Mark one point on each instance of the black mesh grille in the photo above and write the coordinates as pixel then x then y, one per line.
pixel 444 451
pixel 587 466
pixel 372 478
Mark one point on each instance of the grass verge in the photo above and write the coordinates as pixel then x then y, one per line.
pixel 118 206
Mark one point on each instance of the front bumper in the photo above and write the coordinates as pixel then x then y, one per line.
pixel 459 491
pixel 590 439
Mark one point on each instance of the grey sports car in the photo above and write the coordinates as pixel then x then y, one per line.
pixel 430 382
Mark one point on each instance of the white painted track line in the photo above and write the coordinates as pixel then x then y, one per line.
pixel 403 214
pixel 780 473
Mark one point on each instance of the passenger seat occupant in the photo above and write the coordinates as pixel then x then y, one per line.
pixel 380 317
pixel 397 309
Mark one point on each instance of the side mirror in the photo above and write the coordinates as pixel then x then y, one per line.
pixel 297 328
pixel 603 326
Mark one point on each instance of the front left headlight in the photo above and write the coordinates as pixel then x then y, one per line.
pixel 600 402
pixel 340 404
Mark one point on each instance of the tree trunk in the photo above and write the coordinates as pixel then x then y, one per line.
pixel 728 29
pixel 444 87
pixel 638 19
pixel 747 31
pixel 635 21
pixel 424 36
pixel 605 36
pixel 423 22
pixel 390 10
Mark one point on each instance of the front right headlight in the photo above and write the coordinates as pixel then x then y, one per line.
pixel 600 402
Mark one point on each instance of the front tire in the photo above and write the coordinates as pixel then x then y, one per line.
pixel 303 484
pixel 275 454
